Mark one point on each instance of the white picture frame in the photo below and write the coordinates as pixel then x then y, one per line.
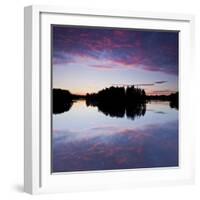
pixel 37 140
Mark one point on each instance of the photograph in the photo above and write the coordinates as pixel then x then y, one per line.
pixel 114 98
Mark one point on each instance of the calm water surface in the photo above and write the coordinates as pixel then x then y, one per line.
pixel 85 138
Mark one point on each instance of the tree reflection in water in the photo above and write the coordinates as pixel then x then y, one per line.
pixel 112 101
pixel 120 109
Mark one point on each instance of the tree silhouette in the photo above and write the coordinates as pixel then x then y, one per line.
pixel 113 101
pixel 118 101
pixel 61 100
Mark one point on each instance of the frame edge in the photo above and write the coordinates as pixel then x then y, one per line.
pixel 31 176
pixel 28 99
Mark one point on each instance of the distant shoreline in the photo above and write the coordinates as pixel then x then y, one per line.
pixel 110 99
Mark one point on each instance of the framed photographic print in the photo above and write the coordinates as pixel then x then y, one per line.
pixel 107 99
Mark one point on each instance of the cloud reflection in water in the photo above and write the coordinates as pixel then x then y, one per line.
pixel 110 147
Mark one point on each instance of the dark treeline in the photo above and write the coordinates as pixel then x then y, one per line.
pixel 172 98
pixel 113 101
pixel 118 94
pixel 118 101
pixel 62 100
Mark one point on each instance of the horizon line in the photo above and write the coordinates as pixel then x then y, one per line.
pixel 153 93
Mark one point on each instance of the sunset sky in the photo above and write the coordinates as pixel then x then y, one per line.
pixel 86 60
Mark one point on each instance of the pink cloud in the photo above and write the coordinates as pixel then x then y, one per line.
pixel 148 50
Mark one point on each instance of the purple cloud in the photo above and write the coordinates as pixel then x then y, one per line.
pixel 160 82
pixel 127 48
pixel 103 148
